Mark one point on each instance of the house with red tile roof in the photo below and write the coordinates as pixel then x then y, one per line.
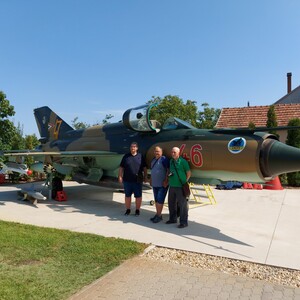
pixel 292 96
pixel 286 108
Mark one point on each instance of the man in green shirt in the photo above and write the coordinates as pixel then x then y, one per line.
pixel 179 174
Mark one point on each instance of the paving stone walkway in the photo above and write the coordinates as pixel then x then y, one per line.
pixel 144 278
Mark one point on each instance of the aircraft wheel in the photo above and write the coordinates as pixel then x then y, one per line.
pixel 151 202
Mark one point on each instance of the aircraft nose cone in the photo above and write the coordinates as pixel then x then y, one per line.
pixel 279 158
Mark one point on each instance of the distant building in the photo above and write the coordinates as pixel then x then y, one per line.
pixel 286 108
pixel 292 96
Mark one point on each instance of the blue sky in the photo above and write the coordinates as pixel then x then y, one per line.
pixel 89 58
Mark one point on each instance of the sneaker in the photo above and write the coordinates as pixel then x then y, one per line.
pixel 157 219
pixel 151 219
pixel 127 212
pixel 182 225
pixel 171 222
pixel 137 212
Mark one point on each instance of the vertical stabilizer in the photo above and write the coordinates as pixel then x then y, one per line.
pixel 50 125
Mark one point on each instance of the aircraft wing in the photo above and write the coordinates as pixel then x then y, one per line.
pixel 59 153
pixel 65 162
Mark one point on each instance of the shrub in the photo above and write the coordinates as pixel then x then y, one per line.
pixel 293 139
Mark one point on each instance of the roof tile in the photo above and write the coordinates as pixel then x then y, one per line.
pixel 240 117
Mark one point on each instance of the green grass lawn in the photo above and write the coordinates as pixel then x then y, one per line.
pixel 44 263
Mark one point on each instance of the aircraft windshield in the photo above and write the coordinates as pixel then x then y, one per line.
pixel 175 123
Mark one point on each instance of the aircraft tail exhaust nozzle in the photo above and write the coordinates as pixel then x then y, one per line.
pixel 278 158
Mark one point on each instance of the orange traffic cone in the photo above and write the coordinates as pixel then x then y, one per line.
pixel 274 184
pixel 257 186
pixel 247 185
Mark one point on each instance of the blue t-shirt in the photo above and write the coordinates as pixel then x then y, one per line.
pixel 158 170
pixel 133 165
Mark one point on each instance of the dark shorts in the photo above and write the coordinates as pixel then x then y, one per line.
pixel 134 188
pixel 160 194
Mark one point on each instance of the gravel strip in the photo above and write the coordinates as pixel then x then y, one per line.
pixel 287 277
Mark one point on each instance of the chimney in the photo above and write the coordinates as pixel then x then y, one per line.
pixel 289 82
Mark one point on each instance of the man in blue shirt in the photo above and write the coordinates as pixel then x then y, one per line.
pixel 159 181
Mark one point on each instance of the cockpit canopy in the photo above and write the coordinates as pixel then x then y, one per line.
pixel 138 119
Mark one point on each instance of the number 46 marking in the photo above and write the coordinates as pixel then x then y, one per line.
pixel 195 155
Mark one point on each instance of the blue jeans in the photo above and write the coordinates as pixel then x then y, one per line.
pixel 160 194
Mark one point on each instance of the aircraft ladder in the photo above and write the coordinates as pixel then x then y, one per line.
pixel 195 195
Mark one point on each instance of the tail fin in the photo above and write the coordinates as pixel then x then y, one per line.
pixel 50 125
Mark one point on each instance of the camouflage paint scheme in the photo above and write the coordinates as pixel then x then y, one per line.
pixel 93 155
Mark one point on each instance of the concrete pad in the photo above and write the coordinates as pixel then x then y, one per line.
pixel 253 225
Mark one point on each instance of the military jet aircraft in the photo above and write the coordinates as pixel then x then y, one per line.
pixel 93 155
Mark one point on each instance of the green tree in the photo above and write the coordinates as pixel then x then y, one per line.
pixel 208 117
pixel 272 120
pixel 106 119
pixel 251 125
pixel 7 128
pixel 18 142
pixel 173 106
pixel 293 139
pixel 31 142
pixel 79 125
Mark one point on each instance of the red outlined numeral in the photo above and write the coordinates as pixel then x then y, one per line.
pixel 195 155
pixel 184 155
pixel 182 147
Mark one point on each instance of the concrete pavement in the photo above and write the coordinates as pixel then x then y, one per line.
pixel 253 225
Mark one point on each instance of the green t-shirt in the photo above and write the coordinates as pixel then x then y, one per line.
pixel 182 166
